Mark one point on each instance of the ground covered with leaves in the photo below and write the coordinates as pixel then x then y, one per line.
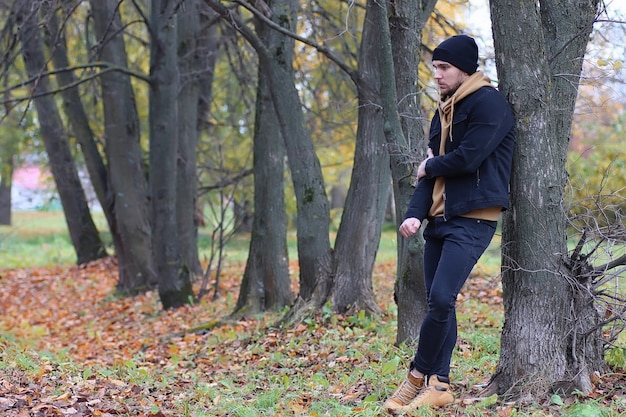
pixel 71 347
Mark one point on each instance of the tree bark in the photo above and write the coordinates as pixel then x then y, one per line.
pixel 266 283
pixel 5 189
pixel 78 120
pixel 407 19
pixel 82 230
pixel 209 39
pixel 9 145
pixel 359 232
pixel 129 191
pixel 545 345
pixel 189 60
pixel 173 276
pixel 314 254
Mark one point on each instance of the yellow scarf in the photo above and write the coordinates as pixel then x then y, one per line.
pixel 446 115
pixel 446 108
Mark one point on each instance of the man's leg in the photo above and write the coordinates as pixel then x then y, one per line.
pixel 445 255
pixel 408 390
pixel 464 241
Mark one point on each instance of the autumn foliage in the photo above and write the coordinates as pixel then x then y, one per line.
pixel 72 347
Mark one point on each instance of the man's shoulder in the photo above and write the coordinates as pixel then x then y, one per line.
pixel 488 94
pixel 489 90
pixel 487 103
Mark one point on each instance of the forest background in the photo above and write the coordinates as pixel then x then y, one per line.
pixel 595 141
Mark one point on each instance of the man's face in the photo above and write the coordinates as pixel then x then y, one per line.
pixel 448 77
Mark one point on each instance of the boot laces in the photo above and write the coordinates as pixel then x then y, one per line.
pixel 429 389
pixel 406 392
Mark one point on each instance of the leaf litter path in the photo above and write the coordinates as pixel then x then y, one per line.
pixel 84 333
pixel 73 313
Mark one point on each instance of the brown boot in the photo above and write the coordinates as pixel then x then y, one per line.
pixel 436 393
pixel 406 392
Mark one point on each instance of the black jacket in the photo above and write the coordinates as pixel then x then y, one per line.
pixel 477 161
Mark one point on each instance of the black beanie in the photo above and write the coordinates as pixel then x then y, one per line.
pixel 460 51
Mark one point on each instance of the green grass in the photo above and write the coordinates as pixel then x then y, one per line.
pixel 359 356
pixel 313 368
pixel 35 239
pixel 40 238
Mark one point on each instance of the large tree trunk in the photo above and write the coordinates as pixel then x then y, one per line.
pixel 359 232
pixel 544 343
pixel 406 21
pixel 78 120
pixel 173 277
pixel 266 283
pixel 186 189
pixel 128 183
pixel 314 254
pixel 313 221
pixel 83 232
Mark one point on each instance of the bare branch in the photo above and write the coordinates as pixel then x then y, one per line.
pixel 607 278
pixel 610 265
pixel 225 182
pixel 105 66
pixel 242 28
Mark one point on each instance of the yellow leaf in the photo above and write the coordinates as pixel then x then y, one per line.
pixel 297 408
pixel 602 62
pixel 617 65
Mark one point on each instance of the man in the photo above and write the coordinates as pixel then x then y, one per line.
pixel 463 186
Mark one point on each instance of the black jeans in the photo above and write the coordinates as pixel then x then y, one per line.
pixel 451 250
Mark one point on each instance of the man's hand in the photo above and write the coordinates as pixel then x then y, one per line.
pixel 409 227
pixel 421 170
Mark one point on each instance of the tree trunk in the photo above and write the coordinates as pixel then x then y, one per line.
pixel 407 19
pixel 10 141
pixel 313 221
pixel 544 342
pixel 209 40
pixel 82 230
pixel 186 189
pixel 5 189
pixel 173 276
pixel 321 281
pixel 266 283
pixel 78 120
pixel 127 178
pixel 359 232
